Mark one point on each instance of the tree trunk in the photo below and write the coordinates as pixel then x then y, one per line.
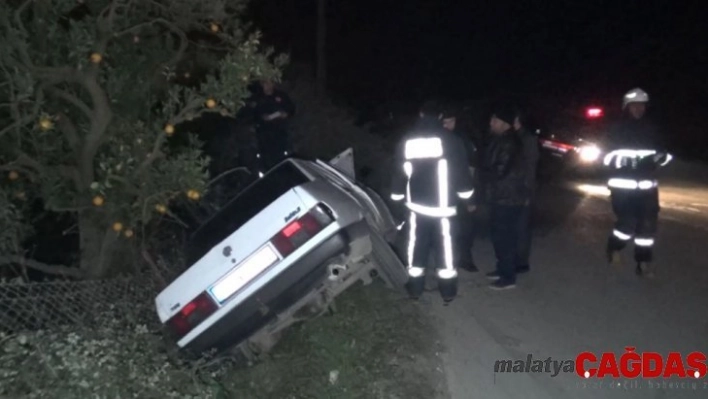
pixel 321 75
pixel 97 246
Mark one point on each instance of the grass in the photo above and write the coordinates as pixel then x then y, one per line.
pixel 377 345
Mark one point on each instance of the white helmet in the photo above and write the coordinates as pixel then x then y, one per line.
pixel 635 96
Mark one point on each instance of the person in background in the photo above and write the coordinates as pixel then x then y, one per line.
pixel 635 152
pixel 530 154
pixel 429 175
pixel 273 110
pixel 464 222
pixel 507 194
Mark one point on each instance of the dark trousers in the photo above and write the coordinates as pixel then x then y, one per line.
pixel 463 236
pixel 505 237
pixel 524 226
pixel 273 147
pixel 427 236
pixel 637 213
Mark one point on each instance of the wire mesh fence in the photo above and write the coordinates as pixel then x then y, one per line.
pixel 88 304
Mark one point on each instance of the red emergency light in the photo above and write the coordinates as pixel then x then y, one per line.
pixel 594 112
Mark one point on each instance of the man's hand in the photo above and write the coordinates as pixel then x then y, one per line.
pixel 270 117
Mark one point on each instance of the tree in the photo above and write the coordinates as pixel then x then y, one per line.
pixel 91 92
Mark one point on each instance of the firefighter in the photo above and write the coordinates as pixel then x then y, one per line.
pixel 634 154
pixel 430 176
pixel 273 110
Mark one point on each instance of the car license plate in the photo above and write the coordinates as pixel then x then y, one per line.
pixel 244 273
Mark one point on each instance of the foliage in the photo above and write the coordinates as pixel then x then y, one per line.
pixel 9 216
pixel 365 350
pixel 90 93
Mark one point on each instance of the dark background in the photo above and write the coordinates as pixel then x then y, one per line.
pixel 553 52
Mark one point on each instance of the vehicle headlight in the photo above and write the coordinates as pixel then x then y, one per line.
pixel 589 153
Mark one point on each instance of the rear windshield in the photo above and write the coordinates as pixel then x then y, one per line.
pixel 242 208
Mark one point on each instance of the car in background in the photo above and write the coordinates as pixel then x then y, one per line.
pixel 279 252
pixel 575 140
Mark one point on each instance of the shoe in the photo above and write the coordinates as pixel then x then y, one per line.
pixel 493 276
pixel 500 285
pixel 644 269
pixel 523 269
pixel 469 266
pixel 614 258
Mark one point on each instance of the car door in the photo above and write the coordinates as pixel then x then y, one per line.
pixel 378 214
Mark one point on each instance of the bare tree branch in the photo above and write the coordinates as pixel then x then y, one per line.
pixel 155 270
pixel 183 40
pixel 156 153
pixel 70 132
pixel 42 267
pixel 228 172
pixel 71 99
pixel 14 125
pixel 99 124
pixel 127 184
pixel 72 173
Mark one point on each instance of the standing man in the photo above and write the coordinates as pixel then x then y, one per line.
pixel 430 174
pixel 507 194
pixel 463 226
pixel 273 111
pixel 634 154
pixel 530 155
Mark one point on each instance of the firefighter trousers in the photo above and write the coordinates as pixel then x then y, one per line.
pixel 430 236
pixel 637 214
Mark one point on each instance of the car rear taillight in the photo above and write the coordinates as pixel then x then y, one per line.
pixel 298 232
pixel 192 314
pixel 594 113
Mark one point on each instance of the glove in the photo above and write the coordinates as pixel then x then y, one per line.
pixel 662 159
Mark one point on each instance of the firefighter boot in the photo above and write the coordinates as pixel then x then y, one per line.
pixel 448 289
pixel 415 286
pixel 645 269
pixel 614 257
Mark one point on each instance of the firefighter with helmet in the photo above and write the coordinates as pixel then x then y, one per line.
pixel 634 154
pixel 430 176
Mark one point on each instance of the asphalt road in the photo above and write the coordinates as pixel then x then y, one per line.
pixel 573 301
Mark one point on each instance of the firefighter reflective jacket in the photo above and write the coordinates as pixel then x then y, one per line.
pixel 634 153
pixel 431 172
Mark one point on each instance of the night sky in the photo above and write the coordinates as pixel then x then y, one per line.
pixel 389 50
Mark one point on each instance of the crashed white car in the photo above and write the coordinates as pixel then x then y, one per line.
pixel 279 252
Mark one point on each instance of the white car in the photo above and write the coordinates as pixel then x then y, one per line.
pixel 290 242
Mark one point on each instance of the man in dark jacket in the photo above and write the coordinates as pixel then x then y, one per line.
pixel 530 153
pixel 507 194
pixel 430 174
pixel 463 226
pixel 273 111
pixel 635 152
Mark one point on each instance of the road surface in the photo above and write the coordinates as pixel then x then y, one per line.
pixel 573 301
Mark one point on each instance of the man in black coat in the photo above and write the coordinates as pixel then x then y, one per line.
pixel 507 194
pixel 273 111
pixel 530 151
pixel 464 223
